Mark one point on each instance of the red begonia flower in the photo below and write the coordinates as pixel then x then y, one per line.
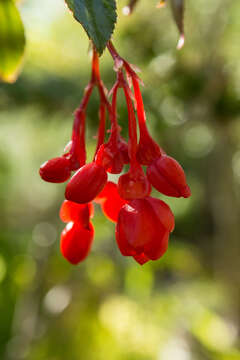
pixel 168 177
pixel 76 242
pixel 56 170
pixel 71 211
pixel 86 183
pixel 143 229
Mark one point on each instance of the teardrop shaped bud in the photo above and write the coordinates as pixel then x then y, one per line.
pixel 76 242
pixel 86 183
pixel 168 177
pixel 134 185
pixel 71 211
pixel 56 170
pixel 140 232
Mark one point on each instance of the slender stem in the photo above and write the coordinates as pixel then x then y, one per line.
pixel 135 80
pixel 115 127
pixel 78 134
pixel 140 107
pixel 79 120
pixel 95 67
pixel 131 123
pixel 102 125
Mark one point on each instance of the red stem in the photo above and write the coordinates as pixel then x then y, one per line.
pixel 102 125
pixel 78 133
pixel 138 96
pixel 131 122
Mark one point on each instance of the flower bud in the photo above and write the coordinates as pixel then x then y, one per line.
pixel 86 183
pixel 168 177
pixel 56 170
pixel 76 242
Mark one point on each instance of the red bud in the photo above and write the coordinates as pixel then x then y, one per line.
pixel 56 170
pixel 168 177
pixel 86 183
pixel 76 242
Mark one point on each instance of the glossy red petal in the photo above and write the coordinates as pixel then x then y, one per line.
pixel 143 229
pixel 163 212
pixel 112 206
pixel 76 242
pixel 135 227
pixel 86 184
pixel 168 177
pixel 71 211
pixel 110 189
pixel 56 170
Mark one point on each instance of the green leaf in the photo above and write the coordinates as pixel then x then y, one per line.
pixel 12 41
pixel 98 18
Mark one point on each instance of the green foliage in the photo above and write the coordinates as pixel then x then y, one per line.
pixel 12 41
pixel 98 17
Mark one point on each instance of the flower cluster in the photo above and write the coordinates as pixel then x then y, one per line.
pixel 143 223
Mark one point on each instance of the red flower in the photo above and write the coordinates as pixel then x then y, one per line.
pixel 143 229
pixel 76 242
pixel 168 177
pixel 56 170
pixel 86 183
pixel 74 212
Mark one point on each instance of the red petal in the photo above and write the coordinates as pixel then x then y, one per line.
pixel 56 170
pixel 168 177
pixel 141 231
pixel 110 189
pixel 86 183
pixel 76 242
pixel 163 212
pixel 112 206
pixel 71 211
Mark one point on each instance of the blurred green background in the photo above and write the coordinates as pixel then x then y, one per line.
pixel 186 306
